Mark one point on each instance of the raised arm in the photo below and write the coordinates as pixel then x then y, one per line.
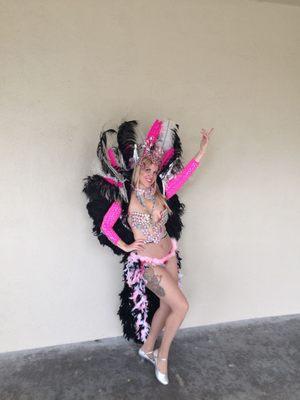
pixel 109 220
pixel 174 184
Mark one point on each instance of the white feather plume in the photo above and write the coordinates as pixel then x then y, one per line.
pixel 166 135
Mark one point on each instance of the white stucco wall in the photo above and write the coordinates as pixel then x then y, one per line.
pixel 67 68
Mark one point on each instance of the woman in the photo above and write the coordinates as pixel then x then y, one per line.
pixel 152 258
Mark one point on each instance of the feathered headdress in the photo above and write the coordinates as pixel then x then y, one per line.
pixel 158 145
pixel 128 148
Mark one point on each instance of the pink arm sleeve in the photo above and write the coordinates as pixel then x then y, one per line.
pixel 109 220
pixel 174 184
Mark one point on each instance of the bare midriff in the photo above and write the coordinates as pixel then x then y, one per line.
pixel 157 250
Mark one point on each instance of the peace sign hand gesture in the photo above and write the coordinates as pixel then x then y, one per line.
pixel 205 137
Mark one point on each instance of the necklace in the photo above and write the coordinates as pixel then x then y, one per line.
pixel 145 193
pixel 149 194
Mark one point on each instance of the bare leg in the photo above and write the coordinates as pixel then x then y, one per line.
pixel 165 287
pixel 161 314
pixel 157 324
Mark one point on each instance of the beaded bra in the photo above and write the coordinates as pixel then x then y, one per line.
pixel 142 221
pixel 153 232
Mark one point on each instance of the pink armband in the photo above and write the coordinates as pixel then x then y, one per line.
pixel 175 183
pixel 109 220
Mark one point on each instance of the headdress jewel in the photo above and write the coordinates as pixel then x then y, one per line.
pixel 154 146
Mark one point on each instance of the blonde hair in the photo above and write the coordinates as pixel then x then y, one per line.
pixel 136 178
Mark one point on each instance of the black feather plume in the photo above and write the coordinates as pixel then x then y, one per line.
pixel 127 138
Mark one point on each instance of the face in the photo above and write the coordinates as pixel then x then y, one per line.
pixel 148 174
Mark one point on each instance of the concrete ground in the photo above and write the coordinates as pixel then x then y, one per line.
pixel 257 359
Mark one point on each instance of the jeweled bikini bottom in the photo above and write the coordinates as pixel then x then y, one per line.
pixel 154 260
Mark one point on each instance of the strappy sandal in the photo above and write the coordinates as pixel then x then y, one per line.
pixel 147 355
pixel 163 378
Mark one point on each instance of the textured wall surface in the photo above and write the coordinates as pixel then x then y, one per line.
pixel 70 67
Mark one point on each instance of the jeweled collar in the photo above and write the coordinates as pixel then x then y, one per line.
pixel 146 193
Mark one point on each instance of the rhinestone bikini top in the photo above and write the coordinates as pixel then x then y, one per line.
pixel 153 232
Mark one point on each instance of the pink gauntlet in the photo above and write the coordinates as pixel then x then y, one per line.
pixel 109 220
pixel 178 180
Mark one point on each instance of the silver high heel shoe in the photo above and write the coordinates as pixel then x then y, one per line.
pixel 147 356
pixel 163 378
